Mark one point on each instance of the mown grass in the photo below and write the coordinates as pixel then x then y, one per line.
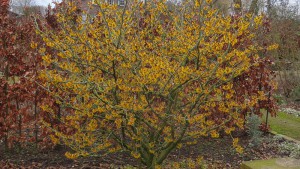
pixel 285 124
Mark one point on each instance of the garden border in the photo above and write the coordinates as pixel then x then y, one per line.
pixel 285 137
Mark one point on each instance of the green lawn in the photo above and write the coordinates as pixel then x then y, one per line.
pixel 285 124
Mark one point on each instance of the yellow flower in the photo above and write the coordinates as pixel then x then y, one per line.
pixel 258 20
pixel 71 156
pixel 208 1
pixel 229 130
pixel 191 163
pixel 42 50
pixel 214 134
pixel 157 167
pixel 175 165
pixel 239 149
pixel 235 142
pixel 147 76
pixel 92 126
pixel 179 146
pixel 118 123
pixel 54 139
pixel 236 5
pixel 131 121
pixel 272 47
pixel 135 154
pixel 33 45
pixel 199 160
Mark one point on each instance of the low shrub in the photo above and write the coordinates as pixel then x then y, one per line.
pixel 253 129
pixel 290 149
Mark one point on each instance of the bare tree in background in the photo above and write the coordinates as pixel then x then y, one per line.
pixel 253 6
pixel 23 3
pixel 19 6
pixel 223 6
pixel 27 7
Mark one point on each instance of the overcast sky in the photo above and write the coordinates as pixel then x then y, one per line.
pixel 46 2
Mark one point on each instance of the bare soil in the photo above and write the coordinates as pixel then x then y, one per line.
pixel 218 153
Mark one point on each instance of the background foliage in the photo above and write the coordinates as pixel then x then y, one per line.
pixel 145 79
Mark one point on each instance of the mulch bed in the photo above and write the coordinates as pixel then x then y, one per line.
pixel 218 153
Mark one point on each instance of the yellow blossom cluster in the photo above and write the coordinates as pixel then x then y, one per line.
pixel 144 78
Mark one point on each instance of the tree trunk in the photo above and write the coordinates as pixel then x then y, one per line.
pixel 19 119
pixel 6 108
pixel 36 118
pixel 269 7
pixel 254 7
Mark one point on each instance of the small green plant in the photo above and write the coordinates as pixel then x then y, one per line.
pixel 296 152
pixel 278 139
pixel 252 125
pixel 286 148
pixel 279 99
pixel 296 93
pixel 290 149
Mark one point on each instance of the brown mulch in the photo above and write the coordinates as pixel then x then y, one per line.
pixel 218 153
